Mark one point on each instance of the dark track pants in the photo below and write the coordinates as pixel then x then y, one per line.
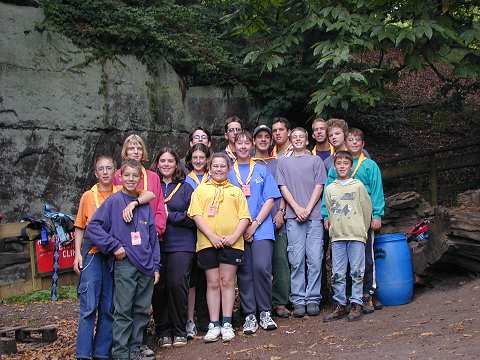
pixel 170 295
pixel 255 277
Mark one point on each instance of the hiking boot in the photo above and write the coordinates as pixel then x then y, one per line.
pixel 191 329
pixel 266 321
pixel 355 312
pixel 213 333
pixel 164 341
pixel 377 305
pixel 250 326
pixel 147 352
pixel 367 307
pixel 298 311
pixel 313 309
pixel 281 311
pixel 338 313
pixel 142 353
pixel 227 332
pixel 179 341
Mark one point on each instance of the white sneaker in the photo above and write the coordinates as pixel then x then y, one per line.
pixel 191 329
pixel 227 332
pixel 250 326
pixel 266 321
pixel 213 333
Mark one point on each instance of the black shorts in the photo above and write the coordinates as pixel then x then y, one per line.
pixel 210 258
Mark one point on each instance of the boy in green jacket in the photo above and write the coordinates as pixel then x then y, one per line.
pixel 349 215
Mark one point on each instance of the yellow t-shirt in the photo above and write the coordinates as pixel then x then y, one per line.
pixel 232 207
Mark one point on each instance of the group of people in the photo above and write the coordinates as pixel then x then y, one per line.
pixel 262 213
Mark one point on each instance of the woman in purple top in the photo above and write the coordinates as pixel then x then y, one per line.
pixel 178 247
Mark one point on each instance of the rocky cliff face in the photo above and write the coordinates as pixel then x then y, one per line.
pixel 60 106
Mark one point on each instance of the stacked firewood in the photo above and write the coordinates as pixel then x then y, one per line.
pixel 455 237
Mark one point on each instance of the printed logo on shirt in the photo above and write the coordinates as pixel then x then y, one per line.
pixel 348 196
pixel 337 209
pixel 258 180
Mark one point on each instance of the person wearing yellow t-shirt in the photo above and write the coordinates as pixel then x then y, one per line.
pixel 95 289
pixel 220 211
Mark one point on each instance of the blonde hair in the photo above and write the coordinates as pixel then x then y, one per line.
pixel 134 139
pixel 317 120
pixel 337 123
pixel 300 129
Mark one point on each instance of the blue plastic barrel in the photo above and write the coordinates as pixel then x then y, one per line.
pixel 394 270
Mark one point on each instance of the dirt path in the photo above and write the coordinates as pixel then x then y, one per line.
pixel 441 323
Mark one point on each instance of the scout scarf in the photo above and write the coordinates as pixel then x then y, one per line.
pixel 361 159
pixel 332 149
pixel 195 178
pixel 95 192
pixel 288 151
pixel 169 197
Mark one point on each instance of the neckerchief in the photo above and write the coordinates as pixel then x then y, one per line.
pixel 95 192
pixel 250 172
pixel 195 178
pixel 169 197
pixel 361 159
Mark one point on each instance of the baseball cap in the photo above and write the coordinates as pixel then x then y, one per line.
pixel 261 128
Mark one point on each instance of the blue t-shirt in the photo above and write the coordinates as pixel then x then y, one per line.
pixel 192 182
pixel 262 187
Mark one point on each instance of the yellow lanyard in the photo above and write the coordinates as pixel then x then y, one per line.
pixel 94 190
pixel 250 172
pixel 145 180
pixel 230 153
pixel 195 178
pixel 169 197
pixel 361 159
pixel 332 149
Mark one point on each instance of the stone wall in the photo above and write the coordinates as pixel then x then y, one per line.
pixel 59 106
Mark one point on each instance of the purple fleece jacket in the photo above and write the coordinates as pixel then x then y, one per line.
pixel 107 231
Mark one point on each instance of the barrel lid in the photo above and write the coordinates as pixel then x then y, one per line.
pixel 382 238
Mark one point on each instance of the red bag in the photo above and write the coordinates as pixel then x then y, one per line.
pixel 44 254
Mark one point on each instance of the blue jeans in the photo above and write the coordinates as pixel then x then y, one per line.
pixel 343 253
pixel 95 291
pixel 305 240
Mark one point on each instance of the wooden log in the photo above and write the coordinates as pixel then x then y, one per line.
pixel 14 230
pixel 11 258
pixel 48 334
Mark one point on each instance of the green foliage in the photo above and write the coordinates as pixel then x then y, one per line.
pixel 64 293
pixel 347 43
pixel 186 33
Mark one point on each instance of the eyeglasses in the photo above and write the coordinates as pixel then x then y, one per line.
pixel 234 130
pixel 200 137
pixel 105 168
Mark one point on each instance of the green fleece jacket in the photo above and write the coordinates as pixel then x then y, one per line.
pixel 349 210
pixel 369 174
